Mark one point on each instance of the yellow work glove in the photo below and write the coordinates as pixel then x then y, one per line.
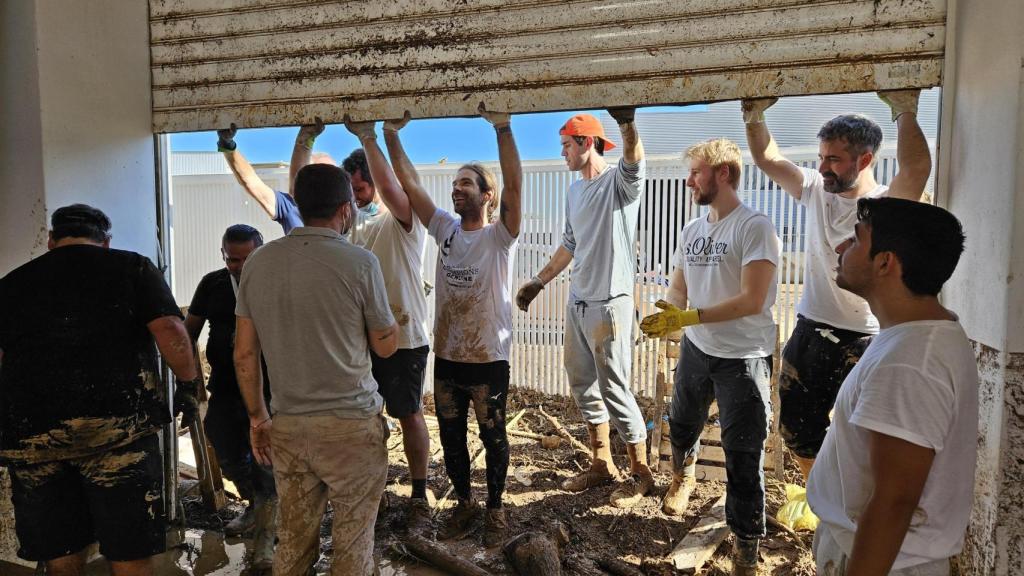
pixel 900 101
pixel 670 319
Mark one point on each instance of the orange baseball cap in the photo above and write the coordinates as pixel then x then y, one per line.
pixel 586 125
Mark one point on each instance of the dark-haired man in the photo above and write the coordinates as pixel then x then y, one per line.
pixel 894 480
pixel 601 215
pixel 226 421
pixel 834 326
pixel 315 304
pixel 81 400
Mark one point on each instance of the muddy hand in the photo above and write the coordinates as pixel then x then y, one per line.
pixel 362 130
pixel 308 133
pixel 528 292
pixel 753 109
pixel 622 114
pixel 900 101
pixel 186 399
pixel 670 319
pixel 497 119
pixel 226 139
pixel 396 124
pixel 259 438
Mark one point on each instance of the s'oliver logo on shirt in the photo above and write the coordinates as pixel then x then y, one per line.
pixel 460 275
pixel 704 251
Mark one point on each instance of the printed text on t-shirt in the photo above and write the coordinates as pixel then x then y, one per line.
pixel 705 252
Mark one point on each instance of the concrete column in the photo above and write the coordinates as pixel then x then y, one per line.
pixel 982 165
pixel 76 117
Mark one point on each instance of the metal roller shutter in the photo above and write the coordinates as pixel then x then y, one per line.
pixel 282 62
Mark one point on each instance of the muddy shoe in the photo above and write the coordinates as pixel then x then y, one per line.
pixel 744 557
pixel 460 521
pixel 495 527
pixel 598 475
pixel 242 523
pixel 417 517
pixel 678 496
pixel 265 533
pixel 632 490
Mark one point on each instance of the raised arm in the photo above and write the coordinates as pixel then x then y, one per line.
pixel 912 155
pixel 511 170
pixel 302 152
pixel 420 201
pixel 244 172
pixel 384 178
pixel 765 151
pixel 632 148
pixel 250 384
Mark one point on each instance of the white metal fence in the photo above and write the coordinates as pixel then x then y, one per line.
pixel 203 206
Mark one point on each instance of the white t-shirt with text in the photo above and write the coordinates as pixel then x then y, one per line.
pixel 712 256
pixel 401 258
pixel 830 220
pixel 918 382
pixel 473 301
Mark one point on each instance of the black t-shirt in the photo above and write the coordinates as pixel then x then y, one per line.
pixel 214 300
pixel 79 371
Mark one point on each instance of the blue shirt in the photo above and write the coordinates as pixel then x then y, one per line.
pixel 287 212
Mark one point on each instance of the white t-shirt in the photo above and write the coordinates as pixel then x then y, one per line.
pixel 830 220
pixel 600 230
pixel 473 316
pixel 401 256
pixel 712 256
pixel 917 381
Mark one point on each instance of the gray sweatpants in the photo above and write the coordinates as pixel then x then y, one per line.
pixel 599 363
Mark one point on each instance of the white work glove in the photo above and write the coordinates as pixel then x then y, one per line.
pixel 362 130
pixel 753 109
pixel 308 133
pixel 497 119
pixel 900 101
pixel 396 124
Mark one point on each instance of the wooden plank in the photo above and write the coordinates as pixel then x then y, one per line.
pixel 706 472
pixel 700 543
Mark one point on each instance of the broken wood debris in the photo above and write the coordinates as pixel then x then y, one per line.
pixel 700 543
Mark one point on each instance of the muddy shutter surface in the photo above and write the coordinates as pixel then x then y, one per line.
pixel 282 62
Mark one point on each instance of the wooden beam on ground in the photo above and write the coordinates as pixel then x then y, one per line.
pixel 701 542
pixel 435 554
pixel 564 433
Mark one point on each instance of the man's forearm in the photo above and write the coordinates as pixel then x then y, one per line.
pixel 301 157
pixel 558 262
pixel 512 178
pixel 738 306
pixel 880 533
pixel 632 147
pixel 175 346
pixel 250 384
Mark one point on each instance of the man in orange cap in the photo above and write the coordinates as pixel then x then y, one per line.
pixel 600 236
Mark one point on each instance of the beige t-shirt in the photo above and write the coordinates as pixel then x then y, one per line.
pixel 401 258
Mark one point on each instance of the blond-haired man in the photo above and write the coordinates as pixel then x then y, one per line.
pixel 723 288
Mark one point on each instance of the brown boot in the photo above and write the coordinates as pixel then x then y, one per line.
pixel 744 557
pixel 265 533
pixel 495 527
pixel 460 521
pixel 632 490
pixel 417 517
pixel 678 496
pixel 602 469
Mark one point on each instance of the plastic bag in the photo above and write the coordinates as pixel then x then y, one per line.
pixel 796 512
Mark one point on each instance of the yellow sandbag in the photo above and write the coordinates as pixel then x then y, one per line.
pixel 796 513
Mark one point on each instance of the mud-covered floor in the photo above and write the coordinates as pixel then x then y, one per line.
pixel 642 536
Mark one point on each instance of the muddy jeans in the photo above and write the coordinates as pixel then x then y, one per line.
pixel 318 458
pixel 455 385
pixel 815 362
pixel 227 427
pixel 830 559
pixel 599 363
pixel 743 390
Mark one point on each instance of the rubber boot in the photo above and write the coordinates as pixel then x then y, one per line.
pixel 602 469
pixel 744 556
pixel 244 522
pixel 265 534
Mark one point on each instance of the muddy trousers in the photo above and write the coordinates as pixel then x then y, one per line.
pixel 227 428
pixel 321 457
pixel 830 560
pixel 456 384
pixel 742 388
pixel 815 362
pixel 599 364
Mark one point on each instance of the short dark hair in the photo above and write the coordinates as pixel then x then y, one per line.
pixel 242 233
pixel 80 221
pixel 320 189
pixel 598 143
pixel 861 134
pixel 927 239
pixel 357 161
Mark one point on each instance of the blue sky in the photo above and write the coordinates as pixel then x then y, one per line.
pixel 426 141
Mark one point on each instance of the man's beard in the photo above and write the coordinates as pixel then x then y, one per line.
pixel 839 185
pixel 706 196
